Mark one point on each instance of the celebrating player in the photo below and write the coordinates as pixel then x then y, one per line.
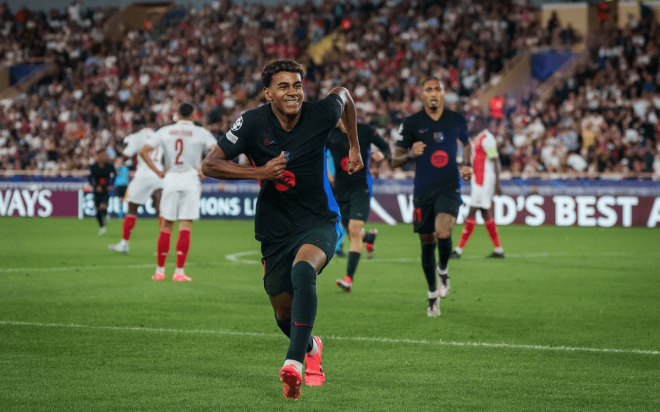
pixel 101 177
pixel 353 192
pixel 485 183
pixel 145 183
pixel 183 144
pixel 430 138
pixel 297 216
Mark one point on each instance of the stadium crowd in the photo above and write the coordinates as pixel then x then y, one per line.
pixel 602 119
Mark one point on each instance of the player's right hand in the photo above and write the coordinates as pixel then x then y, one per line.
pixel 417 149
pixel 274 169
pixel 161 174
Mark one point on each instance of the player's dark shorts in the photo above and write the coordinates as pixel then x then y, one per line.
pixel 278 257
pixel 101 198
pixel 426 209
pixel 120 191
pixel 356 206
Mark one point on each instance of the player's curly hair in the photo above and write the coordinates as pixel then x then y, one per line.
pixel 277 66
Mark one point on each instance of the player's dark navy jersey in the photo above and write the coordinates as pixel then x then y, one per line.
pixel 436 169
pixel 338 146
pixel 303 196
pixel 101 176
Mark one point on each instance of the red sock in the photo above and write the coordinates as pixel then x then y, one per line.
pixel 492 232
pixel 129 224
pixel 182 246
pixel 163 247
pixel 470 222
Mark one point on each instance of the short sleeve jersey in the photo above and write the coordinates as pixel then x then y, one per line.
pixel 436 169
pixel 484 149
pixel 183 144
pixel 134 143
pixel 338 145
pixel 302 197
pixel 102 176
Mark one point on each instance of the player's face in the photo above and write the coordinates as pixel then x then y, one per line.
pixel 433 94
pixel 285 92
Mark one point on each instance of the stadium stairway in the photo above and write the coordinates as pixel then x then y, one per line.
pixel 47 68
pixel 136 16
pixel 514 77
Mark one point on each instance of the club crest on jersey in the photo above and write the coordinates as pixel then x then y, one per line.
pixel 237 124
pixel 231 137
pixel 438 137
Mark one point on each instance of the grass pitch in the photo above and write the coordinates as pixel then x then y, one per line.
pixel 569 321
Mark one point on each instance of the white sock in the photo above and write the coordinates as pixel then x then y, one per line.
pixel 433 295
pixel 123 243
pixel 499 250
pixel 458 250
pixel 295 363
pixel 443 271
pixel 315 348
pixel 160 269
pixel 179 271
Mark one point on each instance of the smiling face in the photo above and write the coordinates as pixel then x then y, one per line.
pixel 433 94
pixel 285 93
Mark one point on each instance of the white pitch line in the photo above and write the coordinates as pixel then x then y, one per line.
pixel 331 337
pixel 236 257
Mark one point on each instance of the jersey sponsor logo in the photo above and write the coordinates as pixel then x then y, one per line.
pixel 439 159
pixel 438 137
pixel 269 142
pixel 231 137
pixel 237 124
pixel 287 181
pixel 422 131
pixel 344 163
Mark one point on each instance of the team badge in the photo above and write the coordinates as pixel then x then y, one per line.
pixel 438 137
pixel 237 124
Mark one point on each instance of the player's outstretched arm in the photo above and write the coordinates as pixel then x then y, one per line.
pixel 144 154
pixel 218 166
pixel 349 118
pixel 466 170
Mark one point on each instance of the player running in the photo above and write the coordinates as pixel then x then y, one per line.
pixel 353 192
pixel 430 138
pixel 183 144
pixel 101 177
pixel 145 183
pixel 297 216
pixel 485 184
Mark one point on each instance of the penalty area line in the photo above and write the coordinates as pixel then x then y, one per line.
pixel 343 338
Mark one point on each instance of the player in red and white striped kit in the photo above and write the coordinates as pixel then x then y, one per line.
pixel 183 145
pixel 485 184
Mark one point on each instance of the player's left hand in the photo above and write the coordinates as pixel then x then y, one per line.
pixel 201 175
pixel 355 163
pixel 466 172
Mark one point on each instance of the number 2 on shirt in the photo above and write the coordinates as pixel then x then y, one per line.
pixel 178 146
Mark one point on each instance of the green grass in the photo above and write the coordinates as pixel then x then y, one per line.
pixel 160 346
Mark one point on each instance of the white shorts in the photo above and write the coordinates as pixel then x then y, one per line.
pixel 142 187
pixel 180 204
pixel 481 196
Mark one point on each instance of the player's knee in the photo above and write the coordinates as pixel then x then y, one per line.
pixel 428 239
pixel 303 275
pixel 443 232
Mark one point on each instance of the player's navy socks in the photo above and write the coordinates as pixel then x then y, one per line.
pixel 99 218
pixel 428 264
pixel 353 259
pixel 285 327
pixel 303 310
pixel 444 250
pixel 369 237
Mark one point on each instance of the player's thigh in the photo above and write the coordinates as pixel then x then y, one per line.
pixel 101 200
pixel 155 198
pixel 324 237
pixel 481 196
pixel 169 204
pixel 277 260
pixel 423 218
pixel 189 205
pixel 355 228
pixel 282 305
pixel 141 188
pixel 444 224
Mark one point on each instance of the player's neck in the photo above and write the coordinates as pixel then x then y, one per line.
pixel 434 114
pixel 288 122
